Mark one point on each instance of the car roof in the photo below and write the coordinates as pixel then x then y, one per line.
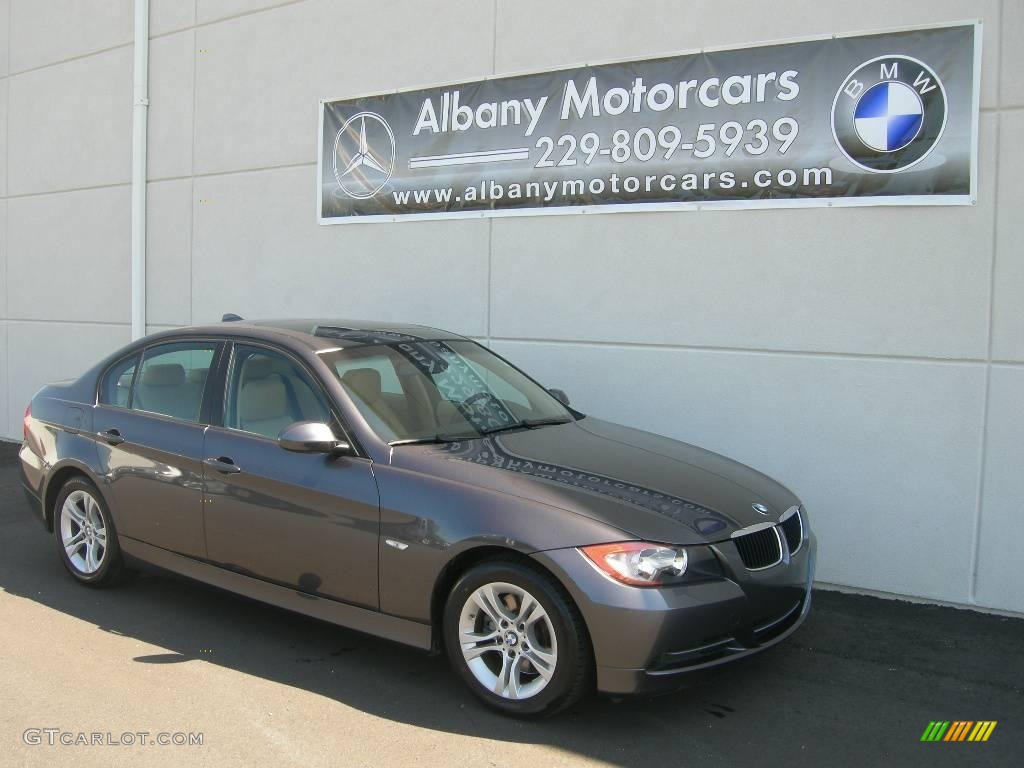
pixel 322 332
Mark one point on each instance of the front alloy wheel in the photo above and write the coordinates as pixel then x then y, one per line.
pixel 516 638
pixel 508 640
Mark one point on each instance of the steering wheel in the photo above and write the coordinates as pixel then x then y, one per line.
pixel 470 402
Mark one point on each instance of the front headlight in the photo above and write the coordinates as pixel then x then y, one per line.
pixel 644 564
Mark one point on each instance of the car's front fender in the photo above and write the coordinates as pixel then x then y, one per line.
pixel 427 522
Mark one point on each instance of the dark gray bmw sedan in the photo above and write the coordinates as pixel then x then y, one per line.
pixel 410 483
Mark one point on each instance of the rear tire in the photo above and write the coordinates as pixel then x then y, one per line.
pixel 85 535
pixel 517 640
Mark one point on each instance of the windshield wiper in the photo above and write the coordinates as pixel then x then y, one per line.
pixel 525 424
pixel 545 422
pixel 433 439
pixel 443 438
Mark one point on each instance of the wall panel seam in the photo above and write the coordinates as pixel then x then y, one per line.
pixel 192 164
pixel 7 187
pixel 256 169
pixel 243 14
pixel 487 288
pixel 7 117
pixel 162 35
pixel 177 30
pixel 983 451
pixel 69 190
pixel 7 377
pixel 52 321
pixel 751 350
pixel 80 57
pixel 490 222
pixel 494 40
pixel 7 192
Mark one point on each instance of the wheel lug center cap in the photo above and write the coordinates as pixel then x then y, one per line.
pixel 511 639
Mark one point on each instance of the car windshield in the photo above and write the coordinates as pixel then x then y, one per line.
pixel 426 391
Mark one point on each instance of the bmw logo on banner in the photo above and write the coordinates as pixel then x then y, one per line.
pixel 889 114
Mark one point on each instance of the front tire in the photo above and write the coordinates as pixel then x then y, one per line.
pixel 85 534
pixel 517 640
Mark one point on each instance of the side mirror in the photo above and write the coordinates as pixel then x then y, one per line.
pixel 312 437
pixel 560 396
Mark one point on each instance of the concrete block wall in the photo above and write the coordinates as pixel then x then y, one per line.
pixel 871 358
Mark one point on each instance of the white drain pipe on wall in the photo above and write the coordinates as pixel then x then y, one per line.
pixel 140 114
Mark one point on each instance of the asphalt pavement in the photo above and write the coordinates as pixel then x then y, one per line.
pixel 856 686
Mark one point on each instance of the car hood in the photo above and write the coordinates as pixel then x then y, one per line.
pixel 647 486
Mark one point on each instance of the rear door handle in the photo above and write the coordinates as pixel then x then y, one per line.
pixel 222 464
pixel 111 437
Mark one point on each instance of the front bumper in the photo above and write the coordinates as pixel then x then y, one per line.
pixel 649 640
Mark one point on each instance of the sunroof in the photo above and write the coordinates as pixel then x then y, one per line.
pixel 364 336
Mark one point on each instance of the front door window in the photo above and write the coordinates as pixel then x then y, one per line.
pixel 267 392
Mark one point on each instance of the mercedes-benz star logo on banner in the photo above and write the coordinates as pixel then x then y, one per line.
pixel 889 113
pixel 364 155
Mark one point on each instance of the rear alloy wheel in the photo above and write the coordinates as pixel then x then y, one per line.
pixel 517 640
pixel 85 534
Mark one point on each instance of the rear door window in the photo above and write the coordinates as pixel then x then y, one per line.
pixel 172 379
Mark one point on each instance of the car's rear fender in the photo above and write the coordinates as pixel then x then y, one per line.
pixel 58 445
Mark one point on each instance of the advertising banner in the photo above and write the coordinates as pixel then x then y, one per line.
pixel 875 119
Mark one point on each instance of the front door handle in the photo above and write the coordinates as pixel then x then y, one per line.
pixel 111 437
pixel 222 464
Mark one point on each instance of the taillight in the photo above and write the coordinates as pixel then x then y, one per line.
pixel 27 423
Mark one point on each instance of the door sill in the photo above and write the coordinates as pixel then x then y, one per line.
pixel 353 617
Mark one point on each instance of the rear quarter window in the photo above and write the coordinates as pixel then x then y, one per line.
pixel 116 384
